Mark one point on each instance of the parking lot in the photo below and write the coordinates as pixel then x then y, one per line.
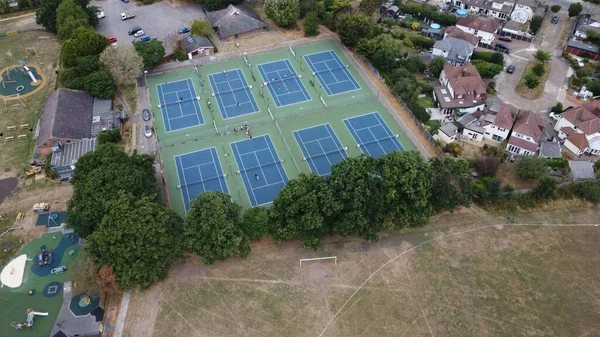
pixel 158 20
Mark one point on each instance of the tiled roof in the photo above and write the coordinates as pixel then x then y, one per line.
pixel 194 42
pixel 584 119
pixel 478 22
pixel 506 116
pixel 531 124
pixel 522 143
pixel 235 20
pixel 458 50
pixel 579 140
pixel 457 33
pixel 464 79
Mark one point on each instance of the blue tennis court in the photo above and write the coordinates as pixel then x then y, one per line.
pixel 284 83
pixel 261 169
pixel 373 136
pixel 178 105
pixel 321 148
pixel 233 94
pixel 199 172
pixel 331 72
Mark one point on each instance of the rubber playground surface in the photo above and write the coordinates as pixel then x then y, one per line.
pixel 246 126
pixel 47 297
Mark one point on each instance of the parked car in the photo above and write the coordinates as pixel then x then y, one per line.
pixel 112 39
pixel 144 38
pixel 580 63
pixel 505 38
pixel 134 30
pixel 146 114
pixel 126 16
pixel 183 30
pixel 125 1
pixel 100 15
pixel 138 33
pixel 502 45
pixel 555 19
pixel 147 131
pixel 554 116
pixel 510 69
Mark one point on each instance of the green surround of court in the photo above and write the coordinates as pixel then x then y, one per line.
pixel 290 118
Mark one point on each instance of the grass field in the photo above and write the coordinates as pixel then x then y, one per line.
pixel 470 280
pixel 14 156
pixel 289 117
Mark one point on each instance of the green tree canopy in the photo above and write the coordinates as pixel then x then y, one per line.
pixel 152 52
pixel 542 56
pixel 123 62
pixel 353 27
pixel 575 9
pixel 139 238
pixel 201 28
pixel 546 188
pixel 285 13
pixel 303 210
pixel 382 50
pixel 99 83
pixel 555 9
pixel 69 16
pixel 46 15
pixel 436 65
pixel 531 80
pixel 214 229
pixel 255 222
pixel 530 167
pixel 97 179
pixel 536 23
pixel 311 24
pixel 453 184
pixel 84 41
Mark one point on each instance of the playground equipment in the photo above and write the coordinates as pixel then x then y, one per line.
pixel 33 79
pixel 12 274
pixel 45 257
pixel 33 170
pixel 29 322
pixel 41 207
pixel 29 50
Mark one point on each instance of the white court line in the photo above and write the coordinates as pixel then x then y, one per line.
pixel 164 113
pixel 198 113
pixel 328 90
pixel 187 192
pixel 266 77
pixel 226 190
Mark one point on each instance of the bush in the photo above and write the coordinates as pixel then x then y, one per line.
pixel 110 136
pixel 542 56
pixel 545 188
pixel 538 69
pixel 571 60
pixel 535 24
pixel 486 189
pixel 558 108
pixel 311 24
pixel 487 69
pixel 422 42
pixel 531 80
pixel 453 148
pixel 581 73
pixel 429 12
pixel 284 13
pixel 496 58
pixel 530 167
pixel 487 166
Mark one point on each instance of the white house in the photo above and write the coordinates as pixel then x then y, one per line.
pixel 580 129
pixel 499 125
pixel 527 133
pixel 586 22
pixel 498 9
pixel 473 6
pixel 524 11
pixel 480 26
pixel 461 89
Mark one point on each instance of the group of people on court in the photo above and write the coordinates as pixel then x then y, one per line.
pixel 279 83
pixel 245 128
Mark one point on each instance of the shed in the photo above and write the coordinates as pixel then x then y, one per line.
pixel 581 170
pixel 197 45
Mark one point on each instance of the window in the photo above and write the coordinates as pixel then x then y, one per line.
pixel 501 129
pixel 497 138
pixel 514 149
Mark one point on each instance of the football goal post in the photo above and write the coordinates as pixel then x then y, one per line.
pixel 334 258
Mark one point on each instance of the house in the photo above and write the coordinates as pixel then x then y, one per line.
pixel 498 9
pixel 456 51
pixel 527 133
pixel 498 124
pixel 480 26
pixel 473 6
pixel 70 123
pixel 461 88
pixel 524 11
pixel 472 126
pixel 586 22
pixel 581 170
pixel 235 22
pixel 514 27
pixel 462 35
pixel 389 11
pixel 549 149
pixel 448 132
pixel 579 127
pixel 582 48
pixel 197 45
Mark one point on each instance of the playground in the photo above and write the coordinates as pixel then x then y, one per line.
pixel 31 294
pixel 248 125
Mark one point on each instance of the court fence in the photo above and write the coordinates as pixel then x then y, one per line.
pixel 388 106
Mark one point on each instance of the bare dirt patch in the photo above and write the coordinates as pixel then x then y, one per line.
pixel 508 174
pixel 7 187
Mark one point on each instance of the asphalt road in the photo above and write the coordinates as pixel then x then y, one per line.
pixel 158 20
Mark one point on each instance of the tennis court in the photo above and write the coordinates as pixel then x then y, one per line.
pixel 284 83
pixel 261 169
pixel 198 172
pixel 331 72
pixel 321 148
pixel 233 94
pixel 178 105
pixel 372 135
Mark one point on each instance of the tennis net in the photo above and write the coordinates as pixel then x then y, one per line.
pixel 259 166
pixel 291 78
pixel 380 140
pixel 203 181
pixel 329 70
pixel 184 101
pixel 221 93
pixel 341 151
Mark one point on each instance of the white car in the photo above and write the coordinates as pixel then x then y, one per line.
pixel 147 131
pixel 100 14
pixel 554 116
pixel 138 33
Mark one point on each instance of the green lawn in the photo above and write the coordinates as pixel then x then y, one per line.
pixel 425 102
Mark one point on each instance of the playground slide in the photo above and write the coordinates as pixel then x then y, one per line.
pixel 30 74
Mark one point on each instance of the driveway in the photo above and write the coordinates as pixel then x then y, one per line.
pixel 158 20
pixel 555 89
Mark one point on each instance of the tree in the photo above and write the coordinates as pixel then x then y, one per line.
pixel 558 108
pixel 575 9
pixel 214 228
pixel 530 167
pixel 84 41
pixel 152 52
pixel 139 238
pixel 201 28
pixel 413 63
pixel 542 56
pixel 538 69
pixel 84 273
pixel 107 280
pixel 97 179
pixel 339 5
pixel 545 188
pixel 109 136
pixel 66 30
pixel 284 13
pixel 531 80
pixel 353 27
pixel 536 23
pixel 555 9
pixel 303 210
pixel 486 189
pixel 487 69
pixel 69 16
pixel 497 58
pixel 453 184
pixel 100 84
pixel 255 222
pixel 311 24
pixel 436 65
pixel 487 166
pixel 46 15
pixel 123 62
pixel 369 6
pixel 382 50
